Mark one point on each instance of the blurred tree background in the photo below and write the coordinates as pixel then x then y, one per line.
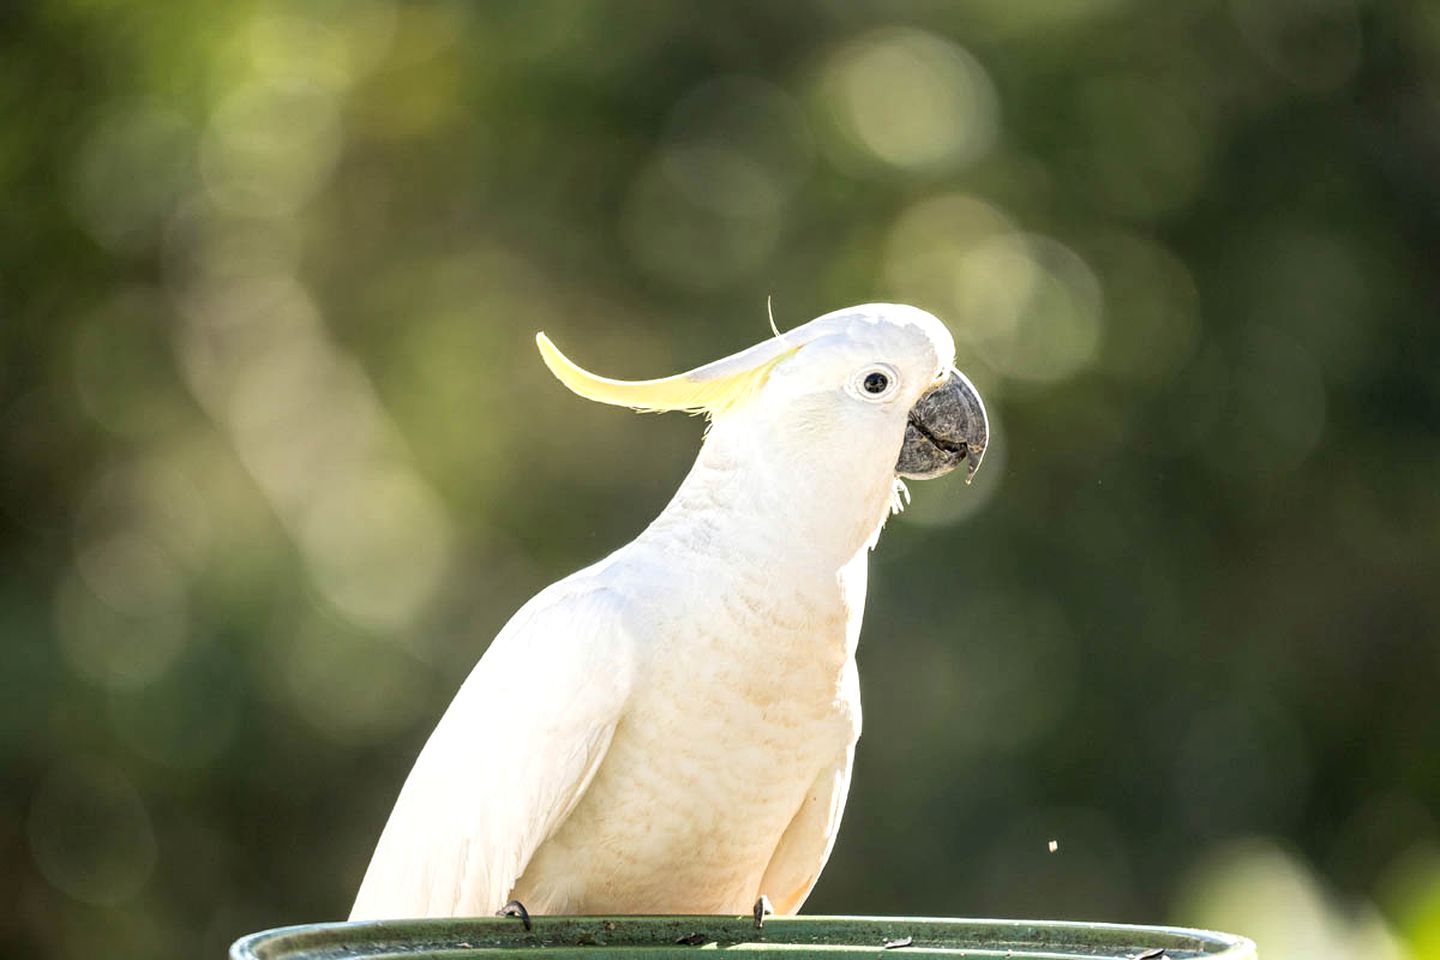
pixel 277 456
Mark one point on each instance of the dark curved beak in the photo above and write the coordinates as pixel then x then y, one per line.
pixel 947 425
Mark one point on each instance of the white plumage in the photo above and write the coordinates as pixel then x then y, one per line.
pixel 671 730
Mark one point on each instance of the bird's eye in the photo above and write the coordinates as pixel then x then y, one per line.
pixel 878 381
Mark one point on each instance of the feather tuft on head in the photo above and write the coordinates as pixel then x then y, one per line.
pixel 712 389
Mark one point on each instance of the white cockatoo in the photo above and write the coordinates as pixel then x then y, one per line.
pixel 671 730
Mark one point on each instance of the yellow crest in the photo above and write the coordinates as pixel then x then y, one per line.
pixel 713 388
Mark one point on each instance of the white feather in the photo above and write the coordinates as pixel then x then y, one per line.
pixel 671 730
pixel 508 761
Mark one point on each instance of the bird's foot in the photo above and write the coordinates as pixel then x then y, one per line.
pixel 517 909
pixel 763 909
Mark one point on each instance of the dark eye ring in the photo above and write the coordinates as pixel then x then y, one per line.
pixel 876 382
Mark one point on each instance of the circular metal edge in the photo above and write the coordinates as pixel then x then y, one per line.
pixel 485 934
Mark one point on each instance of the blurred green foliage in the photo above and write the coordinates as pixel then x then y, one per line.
pixel 277 457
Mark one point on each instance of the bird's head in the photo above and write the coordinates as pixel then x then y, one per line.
pixel 877 380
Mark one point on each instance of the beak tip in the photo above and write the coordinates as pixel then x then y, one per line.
pixel 972 464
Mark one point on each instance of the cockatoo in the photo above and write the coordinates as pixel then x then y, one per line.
pixel 671 730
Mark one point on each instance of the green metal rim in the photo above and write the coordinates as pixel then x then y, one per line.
pixel 793 938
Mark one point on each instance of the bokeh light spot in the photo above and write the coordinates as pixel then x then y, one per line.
pixel 155 499
pixel 1412 893
pixel 203 250
pixel 738 144
pixel 927 244
pixel 132 573
pixel 905 99
pixel 135 163
pixel 1027 305
pixel 1259 887
pixel 1057 329
pixel 417 86
pixel 307 424
pixel 293 49
pixel 354 687
pixel 90 833
pixel 117 648
pixel 377 546
pixel 269 146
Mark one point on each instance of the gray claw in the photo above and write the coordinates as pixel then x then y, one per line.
pixel 763 909
pixel 516 909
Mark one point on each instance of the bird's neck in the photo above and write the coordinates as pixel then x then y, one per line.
pixel 752 494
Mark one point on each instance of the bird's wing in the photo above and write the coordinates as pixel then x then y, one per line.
pixel 507 763
pixel 806 843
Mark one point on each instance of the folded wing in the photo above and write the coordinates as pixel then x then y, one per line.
pixel 509 760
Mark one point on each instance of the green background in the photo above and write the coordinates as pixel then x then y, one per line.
pixel 277 456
